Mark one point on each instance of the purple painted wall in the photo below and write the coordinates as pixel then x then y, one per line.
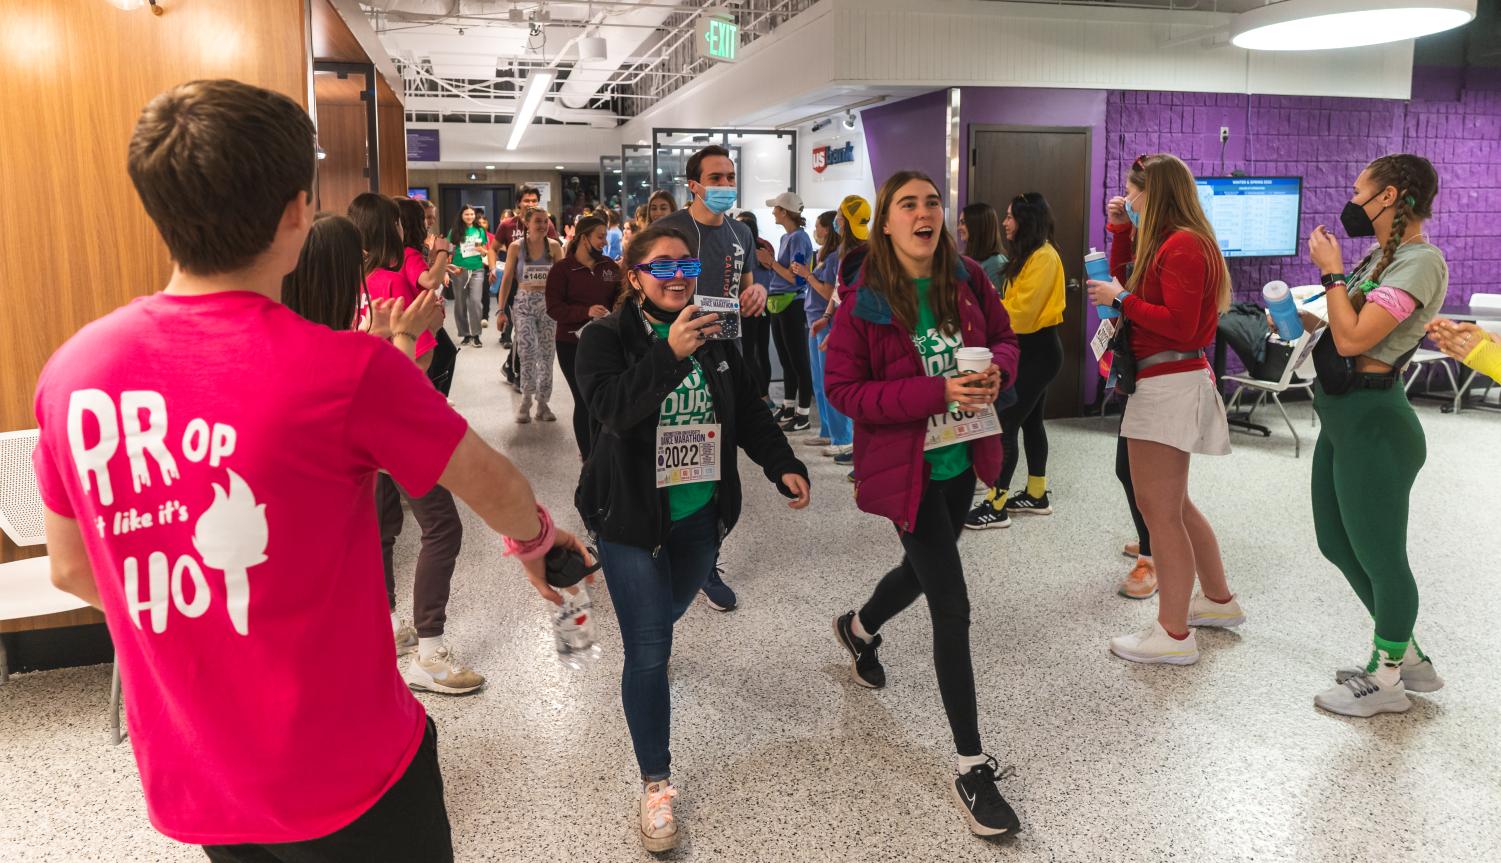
pixel 905 135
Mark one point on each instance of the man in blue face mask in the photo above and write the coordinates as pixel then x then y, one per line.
pixel 727 249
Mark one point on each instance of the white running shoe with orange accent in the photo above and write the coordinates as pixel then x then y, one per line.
pixel 659 831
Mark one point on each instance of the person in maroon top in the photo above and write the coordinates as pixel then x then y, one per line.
pixel 581 287
pixel 1172 301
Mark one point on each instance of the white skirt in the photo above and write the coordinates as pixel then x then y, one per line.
pixel 1181 410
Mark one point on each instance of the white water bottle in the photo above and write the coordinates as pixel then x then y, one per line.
pixel 573 628
pixel 1284 310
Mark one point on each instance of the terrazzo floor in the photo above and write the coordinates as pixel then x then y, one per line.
pixel 779 757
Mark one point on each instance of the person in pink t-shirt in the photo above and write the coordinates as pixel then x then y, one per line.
pixel 208 460
pixel 417 236
pixel 435 668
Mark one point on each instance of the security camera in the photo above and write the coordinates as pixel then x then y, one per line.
pixel 821 124
pixel 849 120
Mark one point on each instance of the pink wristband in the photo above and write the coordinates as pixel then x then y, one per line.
pixel 535 548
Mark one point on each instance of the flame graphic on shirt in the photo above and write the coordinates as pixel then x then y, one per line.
pixel 231 535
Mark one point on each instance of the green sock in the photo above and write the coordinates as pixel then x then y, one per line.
pixel 1037 486
pixel 1394 651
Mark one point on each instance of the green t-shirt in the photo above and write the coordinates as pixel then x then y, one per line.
pixel 1418 270
pixel 474 243
pixel 937 351
pixel 690 403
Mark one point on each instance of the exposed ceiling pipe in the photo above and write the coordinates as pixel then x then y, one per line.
pixel 624 35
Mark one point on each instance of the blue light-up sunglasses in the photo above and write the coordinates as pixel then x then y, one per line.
pixel 666 269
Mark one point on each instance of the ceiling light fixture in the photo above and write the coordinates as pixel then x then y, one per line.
pixel 538 82
pixel 1316 25
pixel 489 167
pixel 557 167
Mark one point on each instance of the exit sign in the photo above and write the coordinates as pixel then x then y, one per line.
pixel 718 38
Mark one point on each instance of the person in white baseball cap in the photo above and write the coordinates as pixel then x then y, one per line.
pixel 784 299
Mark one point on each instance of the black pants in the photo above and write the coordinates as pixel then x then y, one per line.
pixel 931 568
pixel 789 330
pixel 408 822
pixel 484 297
pixel 1041 358
pixel 567 357
pixel 1123 473
pixel 445 358
pixel 755 345
pixel 442 537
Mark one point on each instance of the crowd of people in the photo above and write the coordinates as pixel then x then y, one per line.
pixel 928 358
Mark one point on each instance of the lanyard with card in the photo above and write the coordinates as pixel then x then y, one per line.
pixel 687 454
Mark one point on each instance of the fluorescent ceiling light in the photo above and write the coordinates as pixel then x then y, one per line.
pixel 1315 25
pixel 538 82
pixel 489 167
pixel 557 167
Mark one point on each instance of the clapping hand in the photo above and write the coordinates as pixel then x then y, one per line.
pixel 1456 339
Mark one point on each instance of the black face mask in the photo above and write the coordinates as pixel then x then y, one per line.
pixel 1355 220
pixel 657 313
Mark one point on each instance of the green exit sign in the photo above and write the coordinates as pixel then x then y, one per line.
pixel 718 38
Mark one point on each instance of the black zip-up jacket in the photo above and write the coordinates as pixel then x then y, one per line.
pixel 624 373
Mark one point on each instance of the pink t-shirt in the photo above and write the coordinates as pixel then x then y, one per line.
pixel 384 284
pixel 413 265
pixel 219 454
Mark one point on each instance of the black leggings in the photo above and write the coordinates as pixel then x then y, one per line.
pixel 445 357
pixel 789 329
pixel 1041 358
pixel 1123 473
pixel 931 568
pixel 755 343
pixel 567 357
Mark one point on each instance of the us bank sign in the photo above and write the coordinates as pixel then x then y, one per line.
pixel 825 156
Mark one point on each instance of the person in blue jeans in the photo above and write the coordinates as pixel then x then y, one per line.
pixel 835 432
pixel 669 405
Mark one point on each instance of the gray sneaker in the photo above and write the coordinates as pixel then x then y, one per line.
pixel 1418 675
pixel 1363 696
pixel 406 639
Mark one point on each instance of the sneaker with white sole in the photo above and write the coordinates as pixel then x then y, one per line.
pixel 524 411
pixel 817 441
pixel 659 831
pixel 988 513
pixel 406 639
pixel 1141 581
pixel 718 595
pixel 1131 549
pixel 1153 646
pixel 545 414
pixel 1203 611
pixel 1418 673
pixel 980 799
pixel 798 422
pixel 441 672
pixel 836 450
pixel 1364 696
pixel 1025 504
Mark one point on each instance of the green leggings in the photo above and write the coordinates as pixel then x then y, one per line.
pixel 1370 450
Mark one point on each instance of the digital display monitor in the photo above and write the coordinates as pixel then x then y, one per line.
pixel 1253 217
pixel 417 193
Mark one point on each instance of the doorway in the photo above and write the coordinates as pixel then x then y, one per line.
pixel 488 200
pixel 1006 161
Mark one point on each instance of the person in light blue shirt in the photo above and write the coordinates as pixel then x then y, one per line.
pixel 784 299
pixel 612 236
pixel 835 432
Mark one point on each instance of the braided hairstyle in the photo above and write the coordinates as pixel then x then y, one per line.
pixel 1416 183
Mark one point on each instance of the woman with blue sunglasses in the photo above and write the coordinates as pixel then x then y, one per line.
pixel 669 403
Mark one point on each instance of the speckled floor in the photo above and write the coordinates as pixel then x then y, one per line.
pixel 779 757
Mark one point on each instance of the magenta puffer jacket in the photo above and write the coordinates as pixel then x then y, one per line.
pixel 875 376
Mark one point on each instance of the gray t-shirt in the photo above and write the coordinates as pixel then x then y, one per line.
pixel 725 250
pixel 1418 270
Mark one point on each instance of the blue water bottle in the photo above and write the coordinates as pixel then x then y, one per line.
pixel 1279 301
pixel 801 259
pixel 1098 269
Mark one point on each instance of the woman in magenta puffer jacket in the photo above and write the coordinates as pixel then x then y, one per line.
pixel 921 437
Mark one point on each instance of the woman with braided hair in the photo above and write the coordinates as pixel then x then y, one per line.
pixel 1371 445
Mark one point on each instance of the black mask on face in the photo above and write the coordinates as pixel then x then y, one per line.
pixel 1356 221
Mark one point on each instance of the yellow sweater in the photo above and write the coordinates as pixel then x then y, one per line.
pixel 1034 299
pixel 1486 359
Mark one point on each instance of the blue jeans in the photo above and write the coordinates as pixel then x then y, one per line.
pixel 831 423
pixel 649 595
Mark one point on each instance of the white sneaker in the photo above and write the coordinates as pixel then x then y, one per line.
pixel 659 832
pixel 406 639
pixel 1418 674
pixel 441 672
pixel 1203 611
pixel 1154 646
pixel 524 411
pixel 837 449
pixel 1364 696
pixel 817 441
pixel 484 323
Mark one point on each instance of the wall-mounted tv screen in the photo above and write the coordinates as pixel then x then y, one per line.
pixel 1253 217
pixel 417 193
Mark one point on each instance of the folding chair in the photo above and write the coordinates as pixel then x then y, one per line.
pixel 1273 390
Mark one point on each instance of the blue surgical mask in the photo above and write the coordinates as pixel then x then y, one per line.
pixel 1132 214
pixel 719 199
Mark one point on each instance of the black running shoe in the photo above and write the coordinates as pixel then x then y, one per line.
pixel 797 423
pixel 867 669
pixel 1022 503
pixel 988 513
pixel 783 414
pixel 986 810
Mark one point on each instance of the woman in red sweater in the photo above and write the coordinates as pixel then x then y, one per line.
pixel 1172 300
pixel 581 288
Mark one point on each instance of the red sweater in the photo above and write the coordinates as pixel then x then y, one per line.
pixel 1174 307
pixel 572 288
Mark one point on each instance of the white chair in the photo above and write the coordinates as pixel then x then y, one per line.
pixel 1422 365
pixel 1274 389
pixel 26 585
pixel 1485 301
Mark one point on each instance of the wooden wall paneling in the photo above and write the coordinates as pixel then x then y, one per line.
pixel 341 175
pixel 332 39
pixel 391 118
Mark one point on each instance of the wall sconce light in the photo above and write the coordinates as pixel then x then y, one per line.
pixel 132 5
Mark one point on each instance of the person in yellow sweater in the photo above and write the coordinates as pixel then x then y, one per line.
pixel 1468 343
pixel 1032 292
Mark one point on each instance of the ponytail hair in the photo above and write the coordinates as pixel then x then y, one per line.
pixel 1416 183
pixel 583 228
